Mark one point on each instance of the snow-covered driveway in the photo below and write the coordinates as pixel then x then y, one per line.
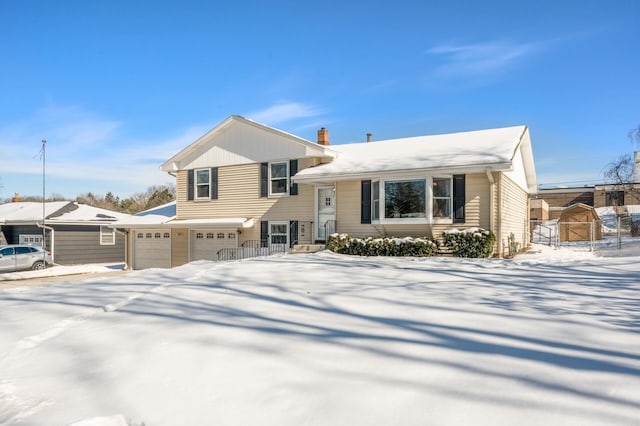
pixel 326 339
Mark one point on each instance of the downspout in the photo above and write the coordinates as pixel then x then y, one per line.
pixel 125 234
pixel 492 221
pixel 53 233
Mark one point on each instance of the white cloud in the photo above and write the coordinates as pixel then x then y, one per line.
pixel 85 152
pixel 482 59
pixel 283 112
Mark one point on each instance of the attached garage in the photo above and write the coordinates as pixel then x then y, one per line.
pixel 157 240
pixel 152 248
pixel 206 243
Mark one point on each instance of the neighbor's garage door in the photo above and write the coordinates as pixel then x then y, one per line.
pixel 152 249
pixel 206 244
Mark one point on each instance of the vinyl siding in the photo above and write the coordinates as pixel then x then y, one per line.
pixel 81 244
pixel 74 244
pixel 179 246
pixel 348 212
pixel 239 196
pixel 514 213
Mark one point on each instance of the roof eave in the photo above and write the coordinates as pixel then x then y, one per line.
pixel 480 168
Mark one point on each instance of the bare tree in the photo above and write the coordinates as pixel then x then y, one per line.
pixel 619 171
pixel 634 137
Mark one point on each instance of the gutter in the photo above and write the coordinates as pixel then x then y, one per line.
pixel 331 177
pixel 492 221
pixel 125 234
pixel 53 234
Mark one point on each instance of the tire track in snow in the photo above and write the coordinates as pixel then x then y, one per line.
pixel 14 407
pixel 33 341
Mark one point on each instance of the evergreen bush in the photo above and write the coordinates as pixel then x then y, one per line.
pixel 472 242
pixel 376 246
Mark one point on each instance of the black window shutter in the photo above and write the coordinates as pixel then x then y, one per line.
pixel 190 185
pixel 293 169
pixel 293 227
pixel 264 233
pixel 458 198
pixel 214 183
pixel 365 201
pixel 264 178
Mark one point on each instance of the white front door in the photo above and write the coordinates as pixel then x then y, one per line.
pixel 279 236
pixel 325 211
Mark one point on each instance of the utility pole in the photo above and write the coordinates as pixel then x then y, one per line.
pixel 44 214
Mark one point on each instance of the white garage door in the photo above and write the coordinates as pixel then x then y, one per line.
pixel 206 244
pixel 152 249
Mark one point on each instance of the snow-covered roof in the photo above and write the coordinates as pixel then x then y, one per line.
pixel 167 210
pixel 155 216
pixel 477 149
pixel 67 212
pixel 160 221
pixel 29 211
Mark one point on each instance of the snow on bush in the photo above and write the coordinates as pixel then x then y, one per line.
pixel 370 246
pixel 471 242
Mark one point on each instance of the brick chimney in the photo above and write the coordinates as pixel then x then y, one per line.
pixel 323 137
pixel 368 137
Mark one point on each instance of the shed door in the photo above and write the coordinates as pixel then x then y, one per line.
pixel 152 249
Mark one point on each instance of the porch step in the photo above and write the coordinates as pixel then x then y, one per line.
pixel 306 248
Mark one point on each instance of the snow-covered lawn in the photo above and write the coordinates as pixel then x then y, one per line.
pixel 545 339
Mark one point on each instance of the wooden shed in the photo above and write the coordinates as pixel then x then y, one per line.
pixel 578 221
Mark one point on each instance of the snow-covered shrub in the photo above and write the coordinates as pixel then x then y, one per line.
pixel 472 242
pixel 376 246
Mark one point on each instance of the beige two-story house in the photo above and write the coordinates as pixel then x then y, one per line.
pixel 244 185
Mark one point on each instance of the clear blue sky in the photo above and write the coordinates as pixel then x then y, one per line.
pixel 117 87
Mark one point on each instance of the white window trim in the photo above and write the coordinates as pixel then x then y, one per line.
pixel 271 223
pixel 112 242
pixel 195 184
pixel 448 220
pixel 288 184
pixel 428 219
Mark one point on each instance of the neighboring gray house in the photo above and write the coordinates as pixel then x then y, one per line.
pixel 75 233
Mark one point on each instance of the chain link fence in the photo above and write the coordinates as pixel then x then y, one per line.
pixel 592 236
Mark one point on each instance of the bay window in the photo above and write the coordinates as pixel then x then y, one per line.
pixel 441 188
pixel 375 200
pixel 405 199
pixel 412 200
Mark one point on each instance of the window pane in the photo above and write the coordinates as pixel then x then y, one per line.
pixel 22 250
pixel 279 229
pixel 279 186
pixel 279 170
pixel 441 187
pixel 442 208
pixel 202 176
pixel 375 201
pixel 278 239
pixel 404 199
pixel 203 191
